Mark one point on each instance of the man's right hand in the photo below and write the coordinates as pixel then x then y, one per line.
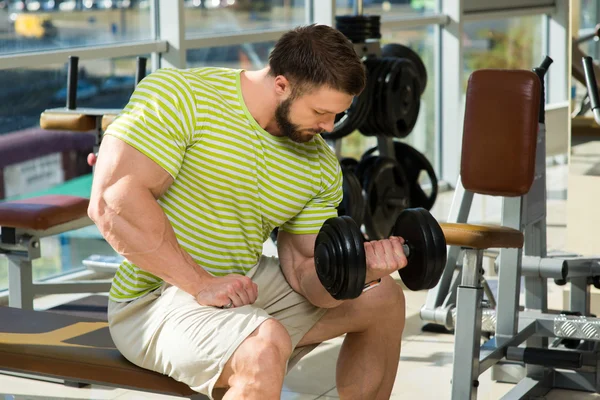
pixel 234 289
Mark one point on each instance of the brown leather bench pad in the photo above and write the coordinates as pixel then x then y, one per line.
pixel 72 348
pixel 44 212
pixel 481 236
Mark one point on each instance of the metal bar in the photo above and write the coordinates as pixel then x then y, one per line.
pixel 580 299
pixel 96 286
pixel 507 13
pixel 204 41
pixel 575 380
pixel 414 22
pixel 26 60
pixel 509 273
pixel 20 276
pixel 529 388
pixel 466 350
pixel 491 351
pixel 459 212
pixel 171 25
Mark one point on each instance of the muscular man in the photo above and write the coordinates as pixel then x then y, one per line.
pixel 192 177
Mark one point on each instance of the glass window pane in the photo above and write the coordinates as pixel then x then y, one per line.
pixel 388 9
pixel 226 16
pixel 423 136
pixel 246 56
pixel 35 162
pixel 54 24
pixel 505 43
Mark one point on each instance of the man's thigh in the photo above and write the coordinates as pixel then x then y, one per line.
pixel 169 332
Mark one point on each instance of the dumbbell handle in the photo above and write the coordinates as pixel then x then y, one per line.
pixel 406 248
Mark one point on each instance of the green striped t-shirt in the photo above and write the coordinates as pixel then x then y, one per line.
pixel 233 181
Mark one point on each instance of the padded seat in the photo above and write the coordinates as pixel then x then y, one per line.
pixel 44 212
pixel 74 349
pixel 67 121
pixel 482 236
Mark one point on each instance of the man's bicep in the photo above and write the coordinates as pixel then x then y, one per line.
pixel 295 254
pixel 121 164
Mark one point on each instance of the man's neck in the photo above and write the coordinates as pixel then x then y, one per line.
pixel 258 94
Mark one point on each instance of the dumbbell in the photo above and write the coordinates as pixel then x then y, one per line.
pixel 341 263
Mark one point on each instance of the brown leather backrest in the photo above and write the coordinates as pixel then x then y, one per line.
pixel 500 132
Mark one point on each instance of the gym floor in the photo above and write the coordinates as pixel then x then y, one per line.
pixel 425 369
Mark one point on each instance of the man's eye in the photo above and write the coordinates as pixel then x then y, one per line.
pixel 319 113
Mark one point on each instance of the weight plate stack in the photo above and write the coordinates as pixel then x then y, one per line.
pixel 359 28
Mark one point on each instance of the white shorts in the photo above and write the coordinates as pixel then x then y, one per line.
pixel 167 331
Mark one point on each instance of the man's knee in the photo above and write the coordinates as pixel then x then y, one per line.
pixel 263 353
pixel 273 342
pixel 388 299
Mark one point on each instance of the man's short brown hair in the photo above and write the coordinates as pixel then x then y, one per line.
pixel 318 55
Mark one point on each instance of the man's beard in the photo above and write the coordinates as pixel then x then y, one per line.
pixel 287 127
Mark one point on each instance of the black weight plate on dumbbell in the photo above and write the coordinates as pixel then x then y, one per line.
pixel 356 260
pixel 401 51
pixel 386 192
pixel 328 258
pixel 439 252
pixel 353 285
pixel 403 100
pixel 409 226
pixel 414 162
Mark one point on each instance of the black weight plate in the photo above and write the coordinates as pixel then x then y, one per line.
pixel 356 261
pixel 349 162
pixel 363 166
pixel 353 203
pixel 349 288
pixel 401 51
pixel 419 239
pixel 355 18
pixel 438 253
pixel 348 121
pixel 374 126
pixel 366 127
pixel 328 258
pixel 414 162
pixel 380 97
pixel 386 195
pixel 402 96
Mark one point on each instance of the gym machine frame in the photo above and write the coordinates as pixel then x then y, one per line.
pixel 456 302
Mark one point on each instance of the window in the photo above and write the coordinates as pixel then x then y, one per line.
pixel 504 43
pixel 246 56
pixel 388 9
pixel 49 24
pixel 55 161
pixel 213 17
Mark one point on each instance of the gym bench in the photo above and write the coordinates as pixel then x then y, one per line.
pixel 43 343
pixel 23 223
pixel 76 350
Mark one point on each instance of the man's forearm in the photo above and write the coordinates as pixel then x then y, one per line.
pixel 137 228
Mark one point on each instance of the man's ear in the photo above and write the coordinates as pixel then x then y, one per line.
pixel 282 86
